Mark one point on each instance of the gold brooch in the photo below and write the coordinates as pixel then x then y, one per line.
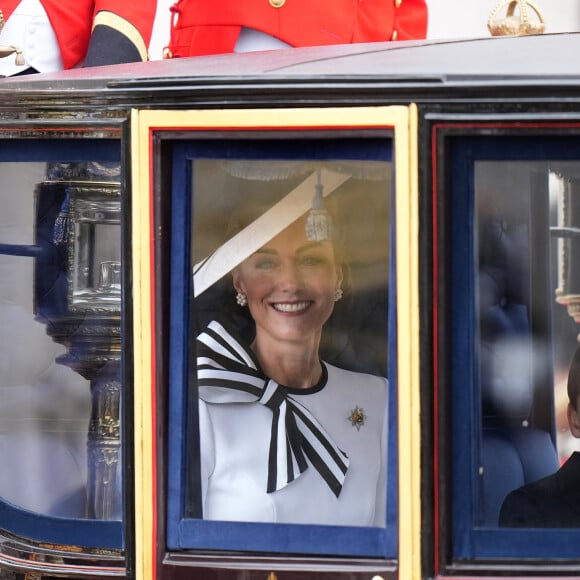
pixel 357 417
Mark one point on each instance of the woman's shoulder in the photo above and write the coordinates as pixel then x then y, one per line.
pixel 355 378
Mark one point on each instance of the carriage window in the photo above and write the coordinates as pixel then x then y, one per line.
pixel 515 456
pixel 527 330
pixel 288 391
pixel 59 312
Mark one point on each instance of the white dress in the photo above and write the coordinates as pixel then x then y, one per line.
pixel 235 439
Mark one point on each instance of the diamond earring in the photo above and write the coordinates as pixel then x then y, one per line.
pixel 338 294
pixel 241 299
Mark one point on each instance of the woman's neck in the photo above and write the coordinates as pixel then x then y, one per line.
pixel 295 365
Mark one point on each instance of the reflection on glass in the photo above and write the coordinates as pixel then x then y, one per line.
pixel 58 434
pixel 291 273
pixel 527 333
pixel 96 249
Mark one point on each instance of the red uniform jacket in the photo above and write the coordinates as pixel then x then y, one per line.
pixel 212 27
pixel 72 21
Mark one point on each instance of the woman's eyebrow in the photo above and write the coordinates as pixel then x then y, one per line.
pixel 265 251
pixel 309 246
pixel 304 248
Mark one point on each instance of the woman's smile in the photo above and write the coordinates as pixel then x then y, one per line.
pixel 292 307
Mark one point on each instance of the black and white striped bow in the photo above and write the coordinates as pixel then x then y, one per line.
pixel 227 373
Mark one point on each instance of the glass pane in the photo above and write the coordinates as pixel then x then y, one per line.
pixel 526 315
pixel 292 259
pixel 60 364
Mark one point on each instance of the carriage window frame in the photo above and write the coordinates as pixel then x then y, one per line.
pixel 45 144
pixel 155 129
pixel 459 428
pixel 263 537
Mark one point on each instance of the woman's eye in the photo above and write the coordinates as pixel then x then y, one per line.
pixel 265 264
pixel 312 260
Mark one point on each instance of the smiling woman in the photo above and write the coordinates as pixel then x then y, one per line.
pixel 290 285
pixel 284 435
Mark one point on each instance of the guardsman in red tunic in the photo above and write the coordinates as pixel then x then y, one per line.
pixel 50 35
pixel 206 27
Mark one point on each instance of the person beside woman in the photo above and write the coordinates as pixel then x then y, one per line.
pixel 554 501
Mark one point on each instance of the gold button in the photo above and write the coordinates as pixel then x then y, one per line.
pixel 277 3
pixel 398 3
pixel 394 35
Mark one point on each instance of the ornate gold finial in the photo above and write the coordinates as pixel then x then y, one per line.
pixel 512 24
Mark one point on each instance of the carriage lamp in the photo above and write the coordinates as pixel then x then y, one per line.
pixel 78 297
pixel 95 251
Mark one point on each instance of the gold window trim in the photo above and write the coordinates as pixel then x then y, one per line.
pixel 403 121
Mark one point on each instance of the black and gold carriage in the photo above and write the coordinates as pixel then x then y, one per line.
pixel 454 167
